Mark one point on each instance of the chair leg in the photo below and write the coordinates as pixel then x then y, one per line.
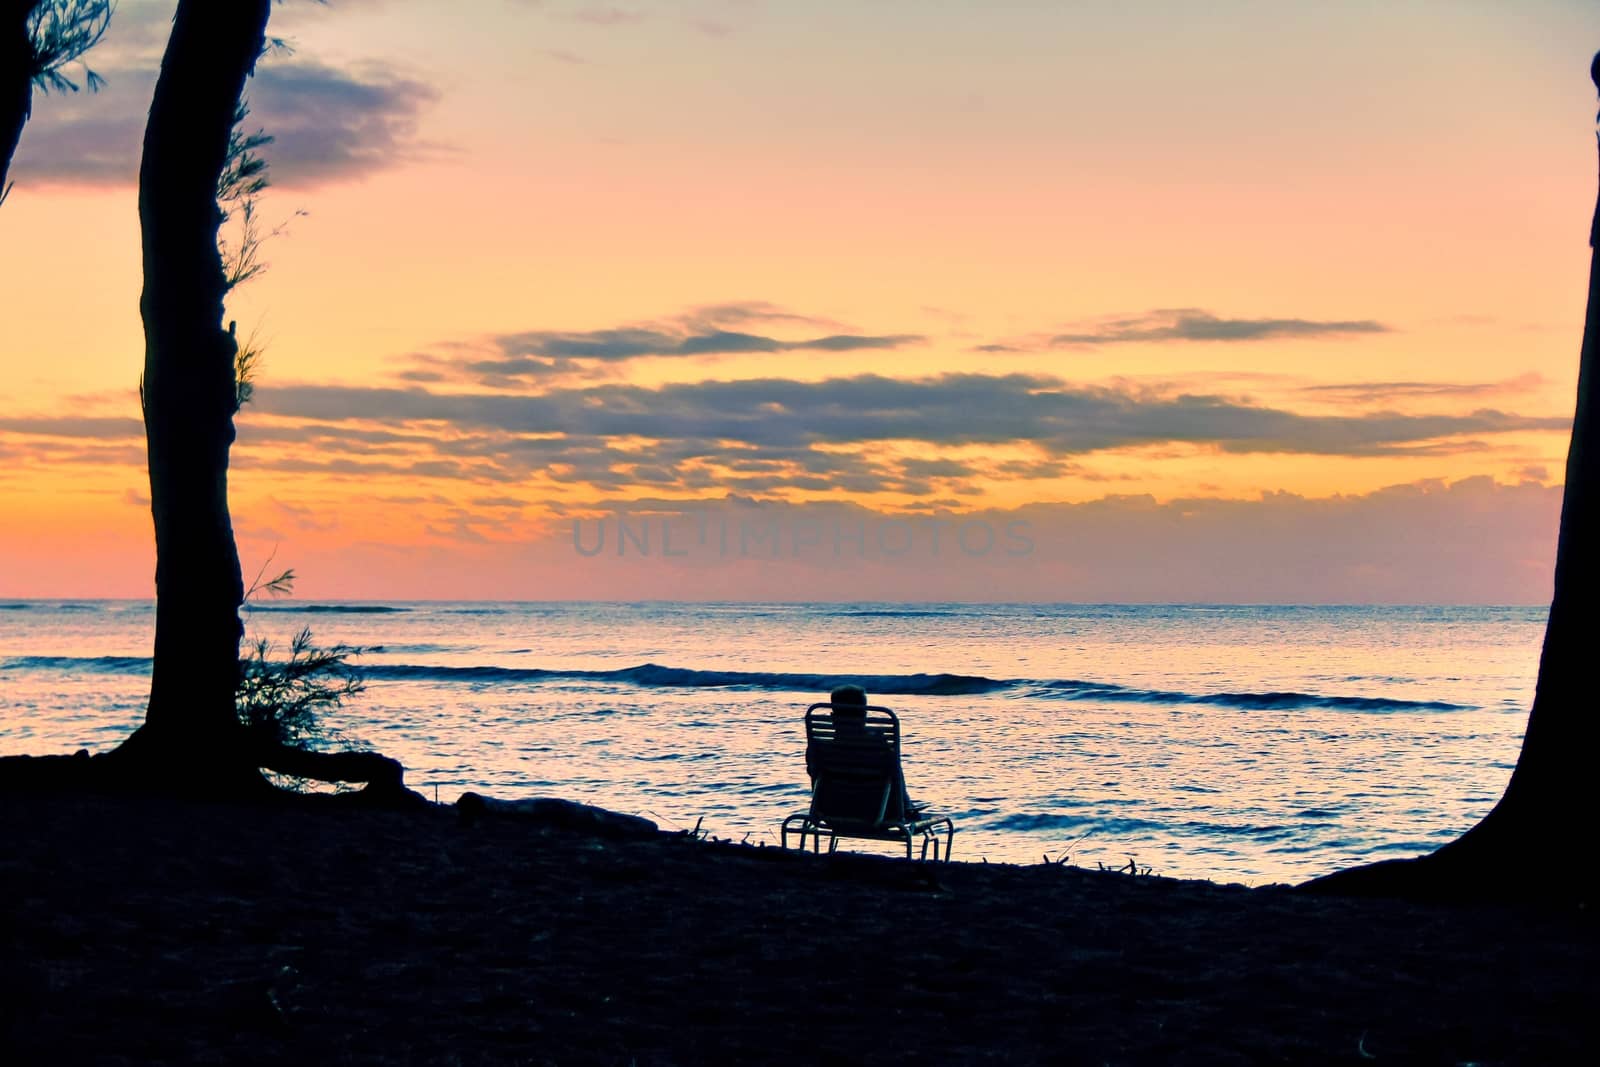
pixel 789 829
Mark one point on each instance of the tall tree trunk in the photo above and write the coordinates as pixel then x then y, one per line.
pixel 191 737
pixel 189 394
pixel 1527 845
pixel 16 78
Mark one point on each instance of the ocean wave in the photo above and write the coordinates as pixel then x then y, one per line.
pixel 884 614
pixel 1076 690
pixel 1101 825
pixel 92 664
pixel 330 609
pixel 657 676
pixel 48 606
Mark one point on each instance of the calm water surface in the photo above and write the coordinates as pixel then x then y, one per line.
pixel 1252 744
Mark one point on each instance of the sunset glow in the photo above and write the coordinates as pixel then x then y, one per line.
pixel 1261 302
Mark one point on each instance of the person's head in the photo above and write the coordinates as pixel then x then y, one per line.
pixel 847 698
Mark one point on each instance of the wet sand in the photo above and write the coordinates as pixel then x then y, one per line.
pixel 154 931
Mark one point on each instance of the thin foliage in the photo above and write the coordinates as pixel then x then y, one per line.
pixel 700 833
pixel 282 585
pixel 283 702
pixel 246 365
pixel 1132 867
pixel 244 171
pixel 243 178
pixel 1066 852
pixel 241 258
pixel 60 32
pixel 239 188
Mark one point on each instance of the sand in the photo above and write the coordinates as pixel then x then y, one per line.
pixel 162 931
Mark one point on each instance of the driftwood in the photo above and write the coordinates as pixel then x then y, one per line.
pixel 45 773
pixel 550 811
pixel 381 773
pixel 116 771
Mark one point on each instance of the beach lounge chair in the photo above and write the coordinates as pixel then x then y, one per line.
pixel 856 786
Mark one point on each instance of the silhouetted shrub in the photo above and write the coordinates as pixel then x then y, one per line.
pixel 283 702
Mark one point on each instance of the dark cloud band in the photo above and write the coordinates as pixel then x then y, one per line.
pixel 956 409
pixel 328 125
pixel 768 434
pixel 1193 324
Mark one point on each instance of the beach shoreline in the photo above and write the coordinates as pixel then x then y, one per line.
pixel 142 930
pixel 1254 745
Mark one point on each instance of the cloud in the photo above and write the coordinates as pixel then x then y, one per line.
pixel 1383 392
pixel 84 146
pixel 1430 542
pixel 712 28
pixel 53 453
pixel 952 409
pixel 1471 541
pixel 605 15
pixel 713 330
pixel 105 428
pixel 632 344
pixel 773 433
pixel 328 125
pixel 1193 324
pixel 560 55
pixel 136 36
pixel 332 125
pixel 838 435
pixel 727 19
pixel 741 312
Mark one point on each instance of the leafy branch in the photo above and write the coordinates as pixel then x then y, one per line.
pixel 60 32
pixel 282 585
pixel 281 702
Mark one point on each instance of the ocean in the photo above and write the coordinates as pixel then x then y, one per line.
pixel 1239 744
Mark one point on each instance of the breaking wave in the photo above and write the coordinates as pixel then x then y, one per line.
pixel 656 676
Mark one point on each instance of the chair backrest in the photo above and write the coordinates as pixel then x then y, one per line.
pixel 853 758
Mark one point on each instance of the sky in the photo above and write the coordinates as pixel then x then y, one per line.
pixel 880 299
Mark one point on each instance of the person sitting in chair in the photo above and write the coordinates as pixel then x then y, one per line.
pixel 847 720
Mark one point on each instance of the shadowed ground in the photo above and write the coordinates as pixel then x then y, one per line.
pixel 138 930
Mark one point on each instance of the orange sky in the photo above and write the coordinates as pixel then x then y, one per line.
pixel 1089 268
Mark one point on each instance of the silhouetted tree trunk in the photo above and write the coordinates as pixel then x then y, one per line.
pixel 189 394
pixel 191 737
pixel 16 78
pixel 1531 843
